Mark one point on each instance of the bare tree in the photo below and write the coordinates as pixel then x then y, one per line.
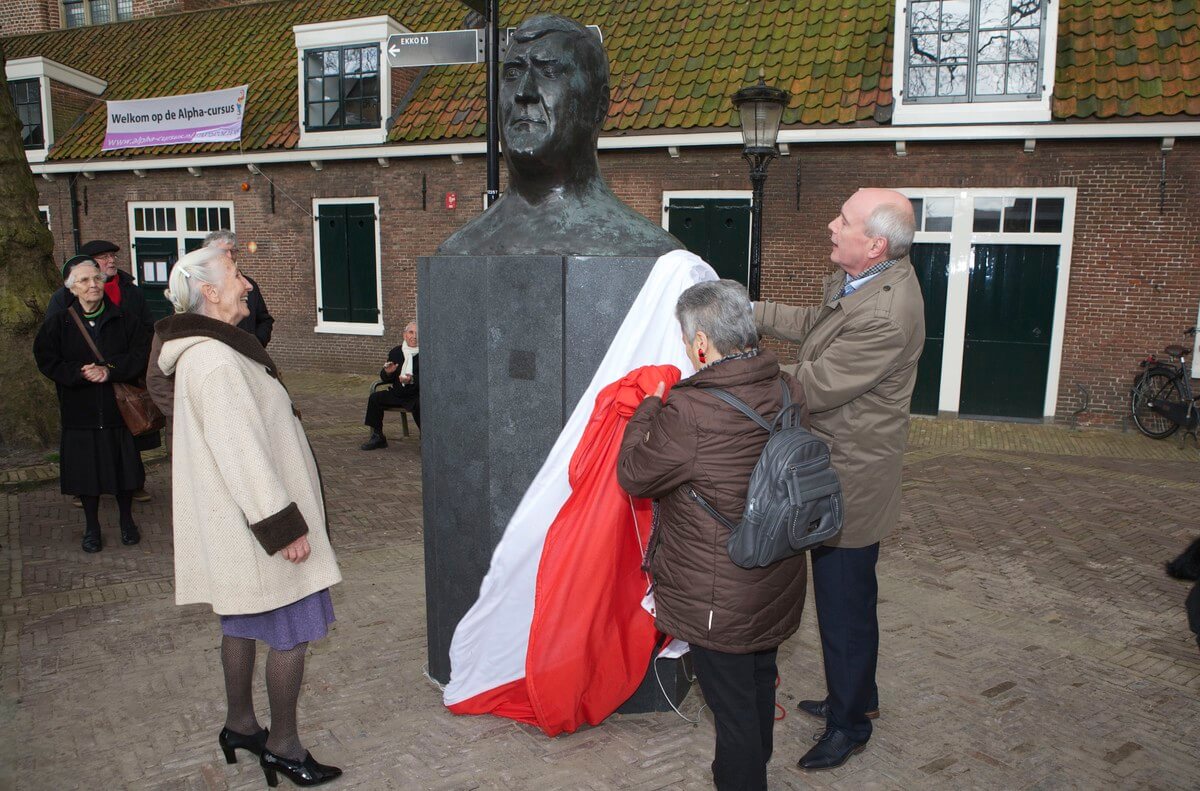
pixel 28 276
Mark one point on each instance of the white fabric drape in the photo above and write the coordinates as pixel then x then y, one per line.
pixel 490 642
pixel 409 353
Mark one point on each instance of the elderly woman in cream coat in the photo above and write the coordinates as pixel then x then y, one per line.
pixel 250 534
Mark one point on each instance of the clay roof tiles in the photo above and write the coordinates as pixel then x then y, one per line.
pixel 674 63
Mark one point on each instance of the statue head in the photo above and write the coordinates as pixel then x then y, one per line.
pixel 553 98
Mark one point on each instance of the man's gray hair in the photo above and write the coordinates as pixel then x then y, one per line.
pixel 190 272
pixel 895 224
pixel 720 309
pixel 223 236
pixel 70 281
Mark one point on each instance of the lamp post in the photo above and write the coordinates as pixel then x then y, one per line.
pixel 761 109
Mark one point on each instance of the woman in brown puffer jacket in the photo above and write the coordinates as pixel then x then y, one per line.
pixel 734 618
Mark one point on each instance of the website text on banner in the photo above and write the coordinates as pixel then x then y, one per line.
pixel 212 117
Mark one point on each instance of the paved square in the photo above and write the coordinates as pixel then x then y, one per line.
pixel 1030 638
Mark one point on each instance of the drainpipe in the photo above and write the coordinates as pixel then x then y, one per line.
pixel 74 198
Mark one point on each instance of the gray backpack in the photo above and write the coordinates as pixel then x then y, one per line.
pixel 795 498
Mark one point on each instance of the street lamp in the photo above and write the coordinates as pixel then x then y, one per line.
pixel 761 108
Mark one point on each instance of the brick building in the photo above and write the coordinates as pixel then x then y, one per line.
pixel 1054 162
pixel 20 17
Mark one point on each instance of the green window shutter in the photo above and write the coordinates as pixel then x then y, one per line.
pixel 361 264
pixel 335 280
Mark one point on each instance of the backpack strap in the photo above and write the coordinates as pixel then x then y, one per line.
pixel 741 406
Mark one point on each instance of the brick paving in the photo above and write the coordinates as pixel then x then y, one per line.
pixel 1030 638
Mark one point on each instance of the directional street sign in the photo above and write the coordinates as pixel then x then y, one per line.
pixel 442 48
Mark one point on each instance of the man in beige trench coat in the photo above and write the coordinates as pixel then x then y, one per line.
pixel 858 364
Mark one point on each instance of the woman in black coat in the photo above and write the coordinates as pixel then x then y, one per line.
pixel 97 454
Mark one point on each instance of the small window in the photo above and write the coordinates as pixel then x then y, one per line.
pixel 77 13
pixel 27 99
pixel 124 10
pixel 939 214
pixel 341 88
pixel 1049 216
pixel 73 13
pixel 974 50
pixel 44 216
pixel 100 11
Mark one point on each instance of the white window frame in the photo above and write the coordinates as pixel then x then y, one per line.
pixel 715 194
pixel 49 220
pixel 45 70
pixel 980 111
pixel 346 327
pixel 179 234
pixel 344 33
pixel 962 240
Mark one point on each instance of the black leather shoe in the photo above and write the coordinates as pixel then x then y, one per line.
pixel 820 709
pixel 232 740
pixel 91 542
pixel 375 442
pixel 130 534
pixel 833 749
pixel 303 773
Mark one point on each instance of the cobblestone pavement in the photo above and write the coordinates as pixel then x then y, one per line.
pixel 1029 637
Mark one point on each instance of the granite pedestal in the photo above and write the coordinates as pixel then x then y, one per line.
pixel 509 345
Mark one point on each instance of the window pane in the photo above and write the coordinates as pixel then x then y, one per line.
pixel 952 80
pixel 353 61
pixel 989 79
pixel 352 112
pixel 1026 13
pixel 956 15
pixel 170 219
pixel 160 219
pixel 333 88
pixel 139 222
pixel 922 82
pixel 225 223
pixel 993 46
pixel 370 87
pixel 993 13
pixel 371 59
pixel 1017 214
pixel 99 11
pixel 1048 218
pixel 917 204
pixel 214 219
pixel 955 47
pixel 124 10
pixel 924 50
pixel 313 62
pixel 1023 78
pixel 189 218
pixel 925 17
pixel 331 61
pixel 939 213
pixel 74 12
pixel 1024 45
pixel 370 111
pixel 987 215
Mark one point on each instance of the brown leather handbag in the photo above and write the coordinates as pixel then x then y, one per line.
pixel 137 409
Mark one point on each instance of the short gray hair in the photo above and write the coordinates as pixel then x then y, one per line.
pixel 895 224
pixel 720 309
pixel 195 268
pixel 70 281
pixel 222 236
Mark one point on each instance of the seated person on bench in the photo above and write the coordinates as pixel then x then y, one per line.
pixel 401 370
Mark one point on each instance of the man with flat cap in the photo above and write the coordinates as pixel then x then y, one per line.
pixel 553 101
pixel 122 291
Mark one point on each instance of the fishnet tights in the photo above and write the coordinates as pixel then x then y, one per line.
pixel 285 673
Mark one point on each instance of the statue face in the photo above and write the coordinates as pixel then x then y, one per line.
pixel 547 116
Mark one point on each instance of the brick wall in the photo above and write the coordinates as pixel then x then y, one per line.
pixel 67 104
pixel 18 17
pixel 1135 279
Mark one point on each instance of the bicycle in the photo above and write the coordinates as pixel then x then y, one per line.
pixel 1162 398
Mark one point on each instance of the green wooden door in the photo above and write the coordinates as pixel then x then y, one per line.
pixel 153 260
pixel 932 265
pixel 717 230
pixel 349 281
pixel 1010 316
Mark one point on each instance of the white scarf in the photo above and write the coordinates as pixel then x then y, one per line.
pixel 409 353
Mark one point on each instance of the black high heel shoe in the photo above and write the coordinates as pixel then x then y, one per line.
pixel 231 740
pixel 303 773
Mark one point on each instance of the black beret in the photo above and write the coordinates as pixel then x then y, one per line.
pixel 98 247
pixel 75 261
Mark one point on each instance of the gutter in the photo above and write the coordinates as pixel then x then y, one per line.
pixel 1165 131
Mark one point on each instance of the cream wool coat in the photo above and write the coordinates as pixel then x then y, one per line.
pixel 244 480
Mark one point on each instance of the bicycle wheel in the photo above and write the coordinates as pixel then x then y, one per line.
pixel 1155 386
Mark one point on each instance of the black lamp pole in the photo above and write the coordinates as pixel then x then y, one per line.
pixel 761 109
pixel 492 57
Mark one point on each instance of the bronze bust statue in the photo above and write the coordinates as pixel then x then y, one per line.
pixel 553 100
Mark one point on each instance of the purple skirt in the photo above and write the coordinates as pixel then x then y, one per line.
pixel 285 627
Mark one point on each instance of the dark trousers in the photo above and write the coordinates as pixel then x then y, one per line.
pixel 740 690
pixel 382 399
pixel 846 591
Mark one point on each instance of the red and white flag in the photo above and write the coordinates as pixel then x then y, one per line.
pixel 558 636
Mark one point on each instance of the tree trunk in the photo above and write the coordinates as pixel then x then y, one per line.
pixel 28 276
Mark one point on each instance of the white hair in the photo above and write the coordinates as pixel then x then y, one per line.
pixel 70 281
pixel 721 310
pixel 224 236
pixel 190 272
pixel 895 224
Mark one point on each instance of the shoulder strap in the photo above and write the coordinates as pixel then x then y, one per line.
pixel 740 406
pixel 87 336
